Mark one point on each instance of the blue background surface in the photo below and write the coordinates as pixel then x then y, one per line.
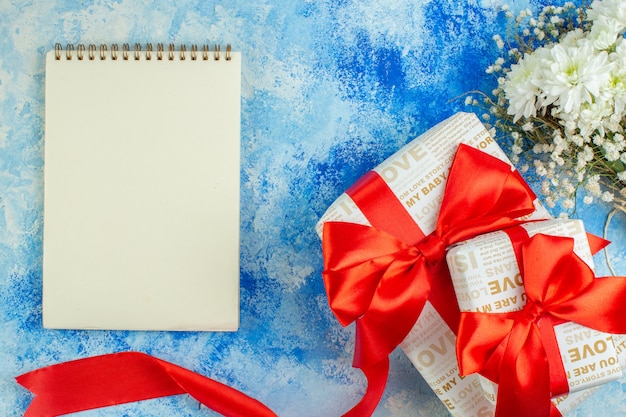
pixel 329 90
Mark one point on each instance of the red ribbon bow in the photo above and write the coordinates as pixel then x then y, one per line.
pixel 510 348
pixel 120 378
pixel 381 276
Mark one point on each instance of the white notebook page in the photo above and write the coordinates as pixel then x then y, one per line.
pixel 141 201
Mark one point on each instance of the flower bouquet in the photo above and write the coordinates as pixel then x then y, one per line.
pixel 561 97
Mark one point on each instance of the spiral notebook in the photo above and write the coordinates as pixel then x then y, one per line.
pixel 141 188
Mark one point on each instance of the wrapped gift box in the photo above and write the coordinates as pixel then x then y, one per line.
pixel 486 278
pixel 416 175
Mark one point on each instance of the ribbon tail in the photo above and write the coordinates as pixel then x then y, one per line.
pixel 391 314
pixel 524 384
pixel 215 395
pixel 376 375
pixel 596 243
pixel 600 306
pixel 106 380
pixel 554 412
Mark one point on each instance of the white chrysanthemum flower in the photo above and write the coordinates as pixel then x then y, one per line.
pixel 617 82
pixel 568 204
pixel 576 76
pixel 573 38
pixel 520 87
pixel 592 117
pixel 622 176
pixel 604 32
pixel 612 9
pixel 588 199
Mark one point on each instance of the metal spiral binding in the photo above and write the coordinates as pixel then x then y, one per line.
pixel 81 52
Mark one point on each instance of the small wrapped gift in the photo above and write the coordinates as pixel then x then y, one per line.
pixel 384 244
pixel 532 310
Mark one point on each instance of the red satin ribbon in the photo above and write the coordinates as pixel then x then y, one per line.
pixel 381 276
pixel 120 378
pixel 508 348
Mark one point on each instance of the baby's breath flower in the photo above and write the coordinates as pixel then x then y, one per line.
pixel 499 42
pixel 598 140
pixel 607 196
pixel 556 20
pixel 540 168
